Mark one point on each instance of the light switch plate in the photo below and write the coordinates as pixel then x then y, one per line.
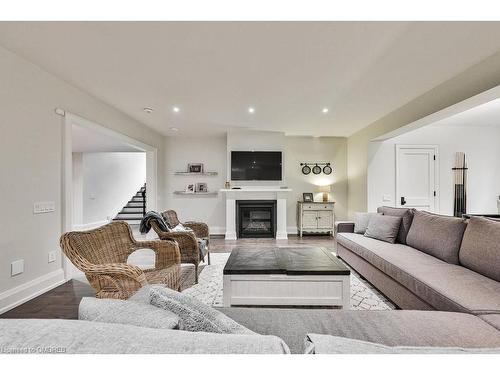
pixel 386 198
pixel 17 267
pixel 44 207
pixel 52 256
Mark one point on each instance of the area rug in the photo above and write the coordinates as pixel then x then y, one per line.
pixel 209 288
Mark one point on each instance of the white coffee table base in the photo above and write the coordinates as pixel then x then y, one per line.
pixel 289 290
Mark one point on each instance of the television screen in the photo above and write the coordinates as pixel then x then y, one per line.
pixel 256 165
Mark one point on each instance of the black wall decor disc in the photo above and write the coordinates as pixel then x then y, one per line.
pixel 316 169
pixel 327 169
pixel 306 169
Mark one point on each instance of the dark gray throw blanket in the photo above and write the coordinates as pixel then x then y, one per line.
pixel 145 225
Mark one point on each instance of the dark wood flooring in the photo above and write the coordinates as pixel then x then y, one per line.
pixel 62 302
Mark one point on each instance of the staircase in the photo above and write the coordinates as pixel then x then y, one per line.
pixel 135 209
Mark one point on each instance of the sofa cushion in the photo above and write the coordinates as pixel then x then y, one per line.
pixel 78 336
pixel 383 228
pixel 327 344
pixel 480 250
pixel 396 327
pixel 406 215
pixel 492 319
pixel 126 312
pixel 193 314
pixel 436 235
pixel 444 286
pixel 361 220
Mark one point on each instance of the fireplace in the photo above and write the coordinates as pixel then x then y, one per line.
pixel 256 219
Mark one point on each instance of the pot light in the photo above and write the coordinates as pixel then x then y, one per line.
pixel 148 110
pixel 324 110
pixel 176 109
pixel 174 129
pixel 251 110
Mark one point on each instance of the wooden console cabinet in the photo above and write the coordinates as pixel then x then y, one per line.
pixel 315 217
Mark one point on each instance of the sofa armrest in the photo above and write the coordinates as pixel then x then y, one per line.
pixel 345 227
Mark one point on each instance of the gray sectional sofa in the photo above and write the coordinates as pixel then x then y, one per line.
pixel 437 263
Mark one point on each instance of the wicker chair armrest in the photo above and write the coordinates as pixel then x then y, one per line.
pixel 199 229
pixel 167 252
pixel 118 269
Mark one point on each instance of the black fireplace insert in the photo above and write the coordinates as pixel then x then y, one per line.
pixel 256 219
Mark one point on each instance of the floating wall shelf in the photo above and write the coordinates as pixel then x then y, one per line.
pixel 195 173
pixel 181 192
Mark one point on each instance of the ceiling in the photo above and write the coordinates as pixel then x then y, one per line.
pixel 86 140
pixel 484 115
pixel 287 71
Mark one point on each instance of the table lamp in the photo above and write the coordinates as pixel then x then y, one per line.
pixel 325 190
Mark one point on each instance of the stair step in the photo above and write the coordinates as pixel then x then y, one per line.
pixel 136 199
pixel 130 215
pixel 131 210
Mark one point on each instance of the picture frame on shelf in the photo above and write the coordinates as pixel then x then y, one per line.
pixel 201 187
pixel 190 188
pixel 195 167
pixel 307 197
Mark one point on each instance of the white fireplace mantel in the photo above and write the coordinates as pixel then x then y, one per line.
pixel 256 193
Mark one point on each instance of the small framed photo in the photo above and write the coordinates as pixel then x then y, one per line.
pixel 307 197
pixel 190 188
pixel 195 168
pixel 201 187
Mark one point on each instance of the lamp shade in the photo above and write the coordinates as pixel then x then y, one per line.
pixel 325 189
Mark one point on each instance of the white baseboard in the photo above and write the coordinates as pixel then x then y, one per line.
pixel 89 226
pixel 22 293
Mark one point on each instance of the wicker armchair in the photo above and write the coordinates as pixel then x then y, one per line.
pixel 102 255
pixel 188 243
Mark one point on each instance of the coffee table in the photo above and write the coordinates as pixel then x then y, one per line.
pixel 285 276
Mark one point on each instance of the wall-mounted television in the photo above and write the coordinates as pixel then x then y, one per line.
pixel 256 165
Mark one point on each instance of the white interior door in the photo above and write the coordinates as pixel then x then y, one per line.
pixel 416 182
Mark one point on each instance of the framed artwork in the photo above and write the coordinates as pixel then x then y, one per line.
pixel 308 197
pixel 195 168
pixel 190 188
pixel 201 187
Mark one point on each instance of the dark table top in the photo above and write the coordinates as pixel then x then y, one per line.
pixel 284 260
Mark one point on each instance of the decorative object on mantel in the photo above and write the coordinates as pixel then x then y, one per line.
pixel 306 169
pixel 460 182
pixel 195 167
pixel 326 189
pixel 308 197
pixel 227 185
pixel 189 189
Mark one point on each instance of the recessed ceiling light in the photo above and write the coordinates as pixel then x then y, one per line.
pixel 174 129
pixel 251 110
pixel 148 110
pixel 324 110
pixel 176 109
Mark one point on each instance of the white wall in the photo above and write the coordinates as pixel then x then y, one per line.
pixel 214 152
pixel 211 151
pixel 110 179
pixel 31 164
pixel 483 157
pixel 316 149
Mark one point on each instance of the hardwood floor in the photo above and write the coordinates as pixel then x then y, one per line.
pixel 62 302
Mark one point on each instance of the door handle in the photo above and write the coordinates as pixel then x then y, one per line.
pixel 403 202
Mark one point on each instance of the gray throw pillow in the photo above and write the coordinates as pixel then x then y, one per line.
pixel 480 249
pixel 126 312
pixel 361 220
pixel 407 217
pixel 195 315
pixel 437 235
pixel 383 228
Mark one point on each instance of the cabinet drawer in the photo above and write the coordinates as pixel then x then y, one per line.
pixel 324 206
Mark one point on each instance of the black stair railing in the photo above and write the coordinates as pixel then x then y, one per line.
pixel 144 201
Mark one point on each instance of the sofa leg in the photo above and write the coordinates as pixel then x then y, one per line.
pixel 208 256
pixel 196 274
